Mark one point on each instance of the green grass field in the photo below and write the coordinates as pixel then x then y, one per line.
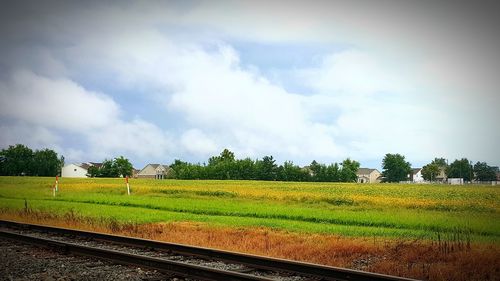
pixel 382 210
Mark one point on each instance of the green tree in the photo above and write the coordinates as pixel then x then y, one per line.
pixel 289 172
pixel 123 166
pixel 349 169
pixel 225 155
pixel 93 172
pixel 46 163
pixel 333 172
pixel 430 171
pixel 317 171
pixel 108 169
pixel 223 166
pixel 460 169
pixel 266 168
pixel 440 162
pixel 245 168
pixel 395 168
pixel 483 172
pixel 17 161
pixel 178 167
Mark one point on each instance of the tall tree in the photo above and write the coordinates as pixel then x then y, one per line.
pixel 460 169
pixel 266 168
pixel 17 161
pixel 108 169
pixel 123 166
pixel 317 171
pixel 349 169
pixel 333 172
pixel 46 163
pixel 93 172
pixel 430 171
pixel 222 167
pixel 395 168
pixel 245 169
pixel 290 172
pixel 440 162
pixel 483 172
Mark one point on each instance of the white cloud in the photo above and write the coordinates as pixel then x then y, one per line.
pixel 138 137
pixel 196 142
pixel 35 137
pixel 377 108
pixel 55 103
pixel 355 72
pixel 362 103
pixel 244 110
pixel 45 111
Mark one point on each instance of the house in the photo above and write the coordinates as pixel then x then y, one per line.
pixel 135 172
pixel 154 171
pixel 78 170
pixel 442 175
pixel 416 175
pixel 366 175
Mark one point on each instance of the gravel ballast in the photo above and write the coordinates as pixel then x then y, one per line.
pixel 25 262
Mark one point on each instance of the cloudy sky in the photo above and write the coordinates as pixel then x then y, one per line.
pixel 299 80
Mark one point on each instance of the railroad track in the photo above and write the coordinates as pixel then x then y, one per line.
pixel 188 261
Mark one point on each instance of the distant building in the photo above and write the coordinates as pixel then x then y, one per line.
pixel 442 174
pixel 416 175
pixel 78 170
pixel 366 175
pixel 154 171
pixel 456 181
pixel 135 172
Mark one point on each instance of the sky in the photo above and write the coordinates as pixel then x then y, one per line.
pixel 156 81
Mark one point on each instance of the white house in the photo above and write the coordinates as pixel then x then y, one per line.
pixel 77 170
pixel 74 171
pixel 416 175
pixel 154 171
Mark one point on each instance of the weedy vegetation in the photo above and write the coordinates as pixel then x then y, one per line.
pixel 434 232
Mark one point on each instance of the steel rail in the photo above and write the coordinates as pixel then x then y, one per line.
pixel 168 266
pixel 320 272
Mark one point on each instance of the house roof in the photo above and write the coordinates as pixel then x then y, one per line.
pixel 98 165
pixel 84 165
pixel 87 165
pixel 154 166
pixel 365 171
pixel 415 170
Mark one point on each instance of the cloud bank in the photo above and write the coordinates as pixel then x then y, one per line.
pixel 162 80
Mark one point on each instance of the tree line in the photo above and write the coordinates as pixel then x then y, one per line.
pixel 111 168
pixel 20 160
pixel 225 166
pixel 396 169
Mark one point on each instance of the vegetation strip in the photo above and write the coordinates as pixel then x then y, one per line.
pixel 355 210
pixel 273 216
pixel 320 271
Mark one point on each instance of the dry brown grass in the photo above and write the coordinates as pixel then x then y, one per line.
pixel 415 259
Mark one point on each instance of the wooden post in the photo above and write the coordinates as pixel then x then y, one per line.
pixel 57 183
pixel 128 186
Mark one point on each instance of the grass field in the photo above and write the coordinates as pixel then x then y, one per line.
pixel 430 232
pixel 383 210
